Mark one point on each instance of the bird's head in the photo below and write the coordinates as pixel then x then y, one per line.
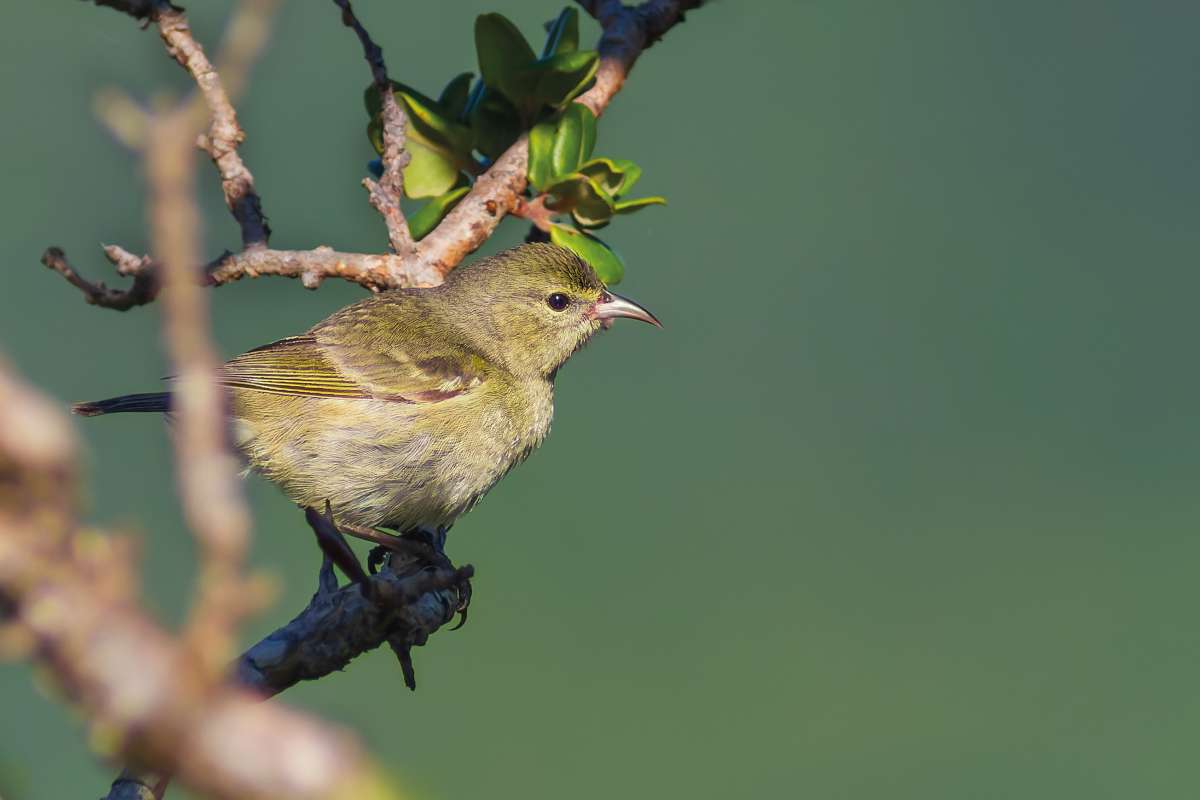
pixel 537 304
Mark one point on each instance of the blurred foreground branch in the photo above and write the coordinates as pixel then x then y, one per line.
pixel 70 604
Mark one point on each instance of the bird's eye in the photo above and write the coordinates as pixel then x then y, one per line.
pixel 558 301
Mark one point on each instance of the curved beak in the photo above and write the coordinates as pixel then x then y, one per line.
pixel 610 306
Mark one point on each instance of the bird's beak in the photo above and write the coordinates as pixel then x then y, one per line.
pixel 610 306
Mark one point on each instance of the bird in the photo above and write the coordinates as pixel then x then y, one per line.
pixel 401 411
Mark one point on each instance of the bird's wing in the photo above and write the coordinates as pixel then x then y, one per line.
pixel 303 365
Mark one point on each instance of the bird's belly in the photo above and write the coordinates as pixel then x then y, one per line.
pixel 381 463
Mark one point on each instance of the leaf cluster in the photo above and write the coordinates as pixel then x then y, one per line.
pixel 455 137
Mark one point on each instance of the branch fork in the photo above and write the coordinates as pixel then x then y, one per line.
pixel 498 192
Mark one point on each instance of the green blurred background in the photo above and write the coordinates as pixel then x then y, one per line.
pixel 900 504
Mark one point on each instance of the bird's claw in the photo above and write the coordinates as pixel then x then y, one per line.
pixel 463 586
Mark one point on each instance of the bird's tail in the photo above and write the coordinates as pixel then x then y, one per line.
pixel 153 401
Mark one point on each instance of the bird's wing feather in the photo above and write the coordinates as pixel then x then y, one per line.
pixel 306 366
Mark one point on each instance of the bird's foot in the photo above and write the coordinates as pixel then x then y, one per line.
pixel 419 546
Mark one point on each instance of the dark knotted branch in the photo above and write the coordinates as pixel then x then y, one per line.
pixel 403 604
pixel 385 194
pixel 628 30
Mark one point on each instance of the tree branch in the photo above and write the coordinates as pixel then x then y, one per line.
pixel 472 222
pixel 497 193
pixel 627 32
pixel 385 194
pixel 224 133
pixel 143 290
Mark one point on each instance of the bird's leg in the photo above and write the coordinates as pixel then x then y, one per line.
pixel 336 550
pixel 420 544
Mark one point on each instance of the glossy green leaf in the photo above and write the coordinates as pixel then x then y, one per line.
pixel 563 33
pixel 632 172
pixel 541 143
pixel 616 175
pixel 429 172
pixel 503 53
pixel 630 206
pixel 454 97
pixel 427 217
pixel 587 201
pixel 562 78
pixel 607 264
pixel 430 121
pixel 371 98
pixel 592 215
pixel 574 139
pixel 495 124
pixel 605 172
pixel 595 209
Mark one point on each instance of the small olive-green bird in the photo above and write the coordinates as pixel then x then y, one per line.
pixel 403 409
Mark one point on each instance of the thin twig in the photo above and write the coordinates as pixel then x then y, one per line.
pixel 224 133
pixel 143 290
pixel 385 194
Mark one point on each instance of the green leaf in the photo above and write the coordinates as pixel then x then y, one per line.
pixel 430 121
pixel 541 142
pixel 503 54
pixel 453 98
pixel 574 139
pixel 371 98
pixel 596 208
pixel 565 193
pixel 587 201
pixel 614 174
pixel 429 215
pixel 632 173
pixel 429 172
pixel 630 206
pixel 495 124
pixel 563 33
pixel 592 217
pixel 375 133
pixel 559 79
pixel 607 264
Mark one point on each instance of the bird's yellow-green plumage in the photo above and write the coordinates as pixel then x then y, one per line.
pixel 403 409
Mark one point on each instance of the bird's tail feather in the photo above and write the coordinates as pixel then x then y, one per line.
pixel 153 401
